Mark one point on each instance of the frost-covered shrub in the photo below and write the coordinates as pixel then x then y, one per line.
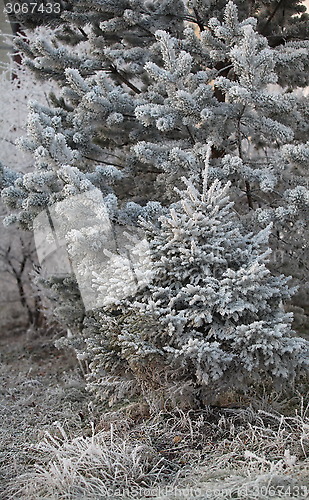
pixel 211 319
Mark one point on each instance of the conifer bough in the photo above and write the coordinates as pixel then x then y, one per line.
pixel 147 92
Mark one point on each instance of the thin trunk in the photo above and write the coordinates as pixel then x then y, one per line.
pixel 249 194
pixel 22 297
pixel 224 68
pixel 247 184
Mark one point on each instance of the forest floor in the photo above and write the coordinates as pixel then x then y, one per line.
pixel 38 386
pixel 53 445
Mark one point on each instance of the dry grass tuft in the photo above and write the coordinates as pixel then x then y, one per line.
pixel 225 453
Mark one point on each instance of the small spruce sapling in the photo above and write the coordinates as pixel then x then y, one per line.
pixel 219 310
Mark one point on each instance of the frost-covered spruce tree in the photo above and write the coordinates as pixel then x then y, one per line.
pixel 145 85
pixel 107 59
pixel 228 84
pixel 212 317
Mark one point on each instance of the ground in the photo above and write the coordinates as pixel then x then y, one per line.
pixel 38 386
pixel 55 445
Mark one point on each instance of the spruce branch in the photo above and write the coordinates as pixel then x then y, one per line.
pixel 102 161
pixel 268 21
pixel 198 19
pixel 119 74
